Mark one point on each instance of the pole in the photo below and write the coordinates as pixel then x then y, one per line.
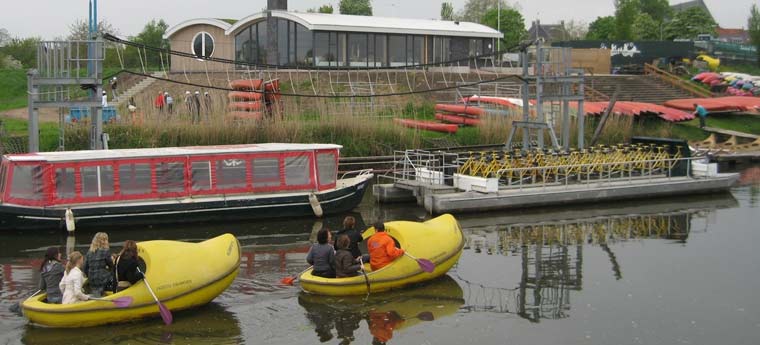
pixel 34 131
pixel 498 24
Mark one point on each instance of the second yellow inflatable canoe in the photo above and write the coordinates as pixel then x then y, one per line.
pixel 439 240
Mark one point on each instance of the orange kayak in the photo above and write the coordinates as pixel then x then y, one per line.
pixel 428 125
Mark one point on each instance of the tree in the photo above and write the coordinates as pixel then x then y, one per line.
pixel 152 35
pixel 447 11
pixel 602 29
pixel 80 31
pixel 512 25
pixel 23 50
pixel 576 30
pixel 625 14
pixel 690 23
pixel 645 28
pixel 322 9
pixel 475 10
pixel 754 30
pixel 659 10
pixel 355 7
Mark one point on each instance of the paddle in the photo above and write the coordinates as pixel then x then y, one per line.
pixel 366 279
pixel 425 265
pixel 424 316
pixel 289 280
pixel 166 315
pixel 16 307
pixel 121 302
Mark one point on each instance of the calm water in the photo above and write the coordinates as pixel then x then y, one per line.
pixel 673 271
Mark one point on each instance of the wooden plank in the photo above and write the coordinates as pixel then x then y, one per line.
pixel 730 132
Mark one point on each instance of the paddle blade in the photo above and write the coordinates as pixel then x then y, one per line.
pixel 166 315
pixel 426 316
pixel 287 280
pixel 426 265
pixel 122 302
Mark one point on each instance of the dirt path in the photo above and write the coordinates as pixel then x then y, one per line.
pixel 46 114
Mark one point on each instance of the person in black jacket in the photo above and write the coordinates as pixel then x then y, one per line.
pixel 349 229
pixel 126 273
pixel 51 273
pixel 345 262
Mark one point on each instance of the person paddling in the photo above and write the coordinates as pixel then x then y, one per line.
pixel 125 272
pixel 51 273
pixel 322 255
pixel 71 284
pixel 382 248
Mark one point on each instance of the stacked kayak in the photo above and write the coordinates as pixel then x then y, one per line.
pixel 252 98
pixel 428 125
pixel 182 275
pixel 438 240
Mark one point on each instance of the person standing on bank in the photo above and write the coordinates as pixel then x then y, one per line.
pixel 98 264
pixel 197 107
pixel 702 113
pixel 322 255
pixel 51 273
pixel 169 103
pixel 114 84
pixel 382 248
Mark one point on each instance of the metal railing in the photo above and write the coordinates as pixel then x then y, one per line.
pixel 425 166
pixel 592 175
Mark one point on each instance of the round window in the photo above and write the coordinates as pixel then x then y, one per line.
pixel 203 45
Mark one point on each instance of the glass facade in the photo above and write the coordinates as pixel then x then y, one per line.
pixel 299 46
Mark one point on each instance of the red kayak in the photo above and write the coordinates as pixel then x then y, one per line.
pixel 460 109
pixel 428 125
pixel 719 104
pixel 461 120
pixel 246 84
pixel 502 101
pixel 245 106
pixel 244 96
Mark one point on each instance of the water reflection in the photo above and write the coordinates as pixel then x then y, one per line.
pixel 550 247
pixel 382 314
pixel 210 324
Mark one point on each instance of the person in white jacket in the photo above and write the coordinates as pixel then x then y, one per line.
pixel 73 279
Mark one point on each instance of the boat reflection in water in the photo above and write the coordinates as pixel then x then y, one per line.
pixel 383 313
pixel 550 246
pixel 210 324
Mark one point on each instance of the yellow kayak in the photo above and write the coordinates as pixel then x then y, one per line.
pixel 439 240
pixel 183 275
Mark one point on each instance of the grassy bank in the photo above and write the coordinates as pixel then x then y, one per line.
pixel 16 134
pixel 12 89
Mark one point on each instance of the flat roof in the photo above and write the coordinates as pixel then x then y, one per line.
pixel 351 23
pixel 88 155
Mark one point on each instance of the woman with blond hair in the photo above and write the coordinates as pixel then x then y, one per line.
pixel 98 264
pixel 71 284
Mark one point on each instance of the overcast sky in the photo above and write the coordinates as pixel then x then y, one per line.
pixel 51 18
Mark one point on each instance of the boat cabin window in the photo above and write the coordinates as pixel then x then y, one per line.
pixel 27 182
pixel 134 178
pixel 230 174
pixel 97 181
pixel 200 175
pixel 297 171
pixel 327 168
pixel 170 177
pixel 266 172
pixel 65 183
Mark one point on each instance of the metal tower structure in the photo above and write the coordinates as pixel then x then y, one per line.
pixel 69 74
pixel 550 85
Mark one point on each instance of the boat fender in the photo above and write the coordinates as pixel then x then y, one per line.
pixel 315 206
pixel 70 223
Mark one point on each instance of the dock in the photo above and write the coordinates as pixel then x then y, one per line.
pixel 732 133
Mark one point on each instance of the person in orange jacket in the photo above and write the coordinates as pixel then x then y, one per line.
pixel 382 248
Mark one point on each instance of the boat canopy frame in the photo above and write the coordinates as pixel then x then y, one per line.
pixel 29 182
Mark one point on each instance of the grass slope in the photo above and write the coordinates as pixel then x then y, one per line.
pixel 12 89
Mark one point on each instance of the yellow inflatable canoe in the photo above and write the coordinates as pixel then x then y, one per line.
pixel 183 275
pixel 439 240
